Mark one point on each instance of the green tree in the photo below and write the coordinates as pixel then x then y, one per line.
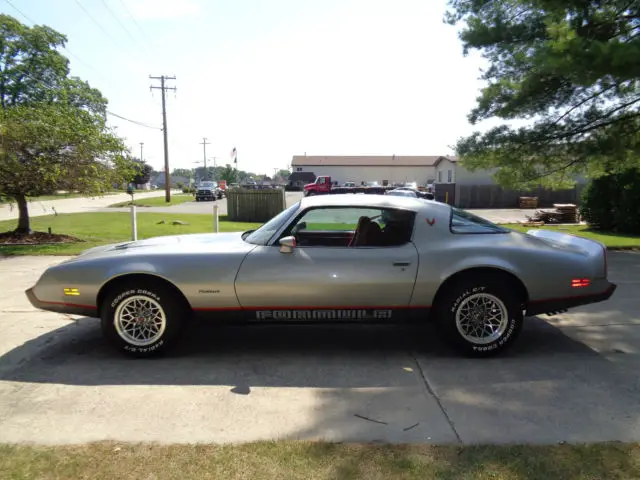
pixel 284 174
pixel 229 174
pixel 182 172
pixel 142 172
pixel 570 70
pixel 53 128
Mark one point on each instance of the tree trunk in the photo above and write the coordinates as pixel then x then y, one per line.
pixel 24 227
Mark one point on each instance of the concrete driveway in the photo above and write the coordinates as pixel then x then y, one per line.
pixel 199 207
pixel 573 378
pixel 73 205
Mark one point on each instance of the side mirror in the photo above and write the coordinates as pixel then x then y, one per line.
pixel 287 244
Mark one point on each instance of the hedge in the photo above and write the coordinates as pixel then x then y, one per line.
pixel 611 203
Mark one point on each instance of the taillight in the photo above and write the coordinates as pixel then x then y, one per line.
pixel 580 282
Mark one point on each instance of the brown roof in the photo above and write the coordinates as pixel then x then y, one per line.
pixel 369 161
pixel 302 177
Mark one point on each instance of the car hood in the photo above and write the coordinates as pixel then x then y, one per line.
pixel 209 242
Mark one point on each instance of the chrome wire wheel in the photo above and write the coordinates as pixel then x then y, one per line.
pixel 482 318
pixel 140 320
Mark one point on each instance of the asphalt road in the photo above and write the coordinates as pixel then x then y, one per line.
pixel 572 378
pixel 494 215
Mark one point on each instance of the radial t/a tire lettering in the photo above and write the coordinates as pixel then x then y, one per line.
pixel 143 319
pixel 479 316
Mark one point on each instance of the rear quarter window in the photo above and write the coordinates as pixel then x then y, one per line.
pixel 463 221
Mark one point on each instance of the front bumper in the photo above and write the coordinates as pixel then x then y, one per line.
pixel 61 307
pixel 537 307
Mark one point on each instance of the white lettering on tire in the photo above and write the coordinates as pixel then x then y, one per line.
pixel 123 295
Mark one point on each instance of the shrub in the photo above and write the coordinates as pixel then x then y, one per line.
pixel 612 202
pixel 188 190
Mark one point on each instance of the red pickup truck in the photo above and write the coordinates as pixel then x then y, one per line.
pixel 321 185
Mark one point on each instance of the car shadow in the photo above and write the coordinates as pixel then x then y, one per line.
pixel 342 356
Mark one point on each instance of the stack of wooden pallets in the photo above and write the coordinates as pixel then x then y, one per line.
pixel 528 202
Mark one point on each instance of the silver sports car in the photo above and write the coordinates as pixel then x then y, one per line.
pixel 334 258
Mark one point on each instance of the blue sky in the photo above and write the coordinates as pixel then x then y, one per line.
pixel 273 78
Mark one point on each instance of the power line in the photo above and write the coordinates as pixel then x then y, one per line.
pixel 49 87
pixel 163 88
pixel 26 17
pixel 133 19
pixel 117 20
pixel 19 11
pixel 97 23
pixel 134 121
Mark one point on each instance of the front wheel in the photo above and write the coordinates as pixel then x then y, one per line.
pixel 480 316
pixel 143 319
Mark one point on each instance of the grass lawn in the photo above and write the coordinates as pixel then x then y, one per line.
pixel 611 240
pixel 311 461
pixel 158 201
pixel 99 228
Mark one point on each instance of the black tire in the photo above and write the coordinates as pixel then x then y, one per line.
pixel 457 299
pixel 177 315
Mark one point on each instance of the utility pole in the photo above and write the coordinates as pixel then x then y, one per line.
pixel 204 144
pixel 214 168
pixel 167 186
pixel 141 145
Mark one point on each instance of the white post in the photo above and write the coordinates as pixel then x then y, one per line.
pixel 216 224
pixel 134 223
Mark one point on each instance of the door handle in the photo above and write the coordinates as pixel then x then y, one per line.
pixel 401 264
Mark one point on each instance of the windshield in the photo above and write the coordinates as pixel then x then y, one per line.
pixel 466 222
pixel 402 193
pixel 208 184
pixel 262 235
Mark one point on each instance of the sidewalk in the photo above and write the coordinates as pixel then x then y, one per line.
pixel 73 205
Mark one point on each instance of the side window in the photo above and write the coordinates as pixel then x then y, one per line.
pixel 323 180
pixel 466 222
pixel 353 227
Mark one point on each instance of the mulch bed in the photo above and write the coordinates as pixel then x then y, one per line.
pixel 35 238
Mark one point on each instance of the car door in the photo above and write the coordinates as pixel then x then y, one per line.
pixel 326 274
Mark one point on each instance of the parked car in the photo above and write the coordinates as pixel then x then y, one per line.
pixel 399 192
pixel 334 258
pixel 410 191
pixel 324 185
pixel 208 191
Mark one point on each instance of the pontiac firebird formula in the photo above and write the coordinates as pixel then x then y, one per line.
pixel 334 258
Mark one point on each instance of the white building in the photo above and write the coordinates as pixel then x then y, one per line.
pixel 454 183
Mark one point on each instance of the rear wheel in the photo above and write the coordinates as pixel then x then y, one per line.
pixel 143 319
pixel 480 315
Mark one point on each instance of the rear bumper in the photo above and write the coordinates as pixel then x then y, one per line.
pixel 60 307
pixel 537 307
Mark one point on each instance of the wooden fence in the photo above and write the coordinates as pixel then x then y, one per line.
pixel 493 196
pixel 244 205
